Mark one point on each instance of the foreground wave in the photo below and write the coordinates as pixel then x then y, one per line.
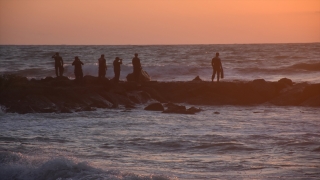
pixel 18 166
pixel 62 95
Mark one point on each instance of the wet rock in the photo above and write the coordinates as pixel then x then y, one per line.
pixel 87 108
pixel 129 106
pixel 286 81
pixel 65 110
pixel 312 102
pixel 62 78
pixel 91 80
pixel 98 101
pixel 47 79
pixel 265 89
pixel 154 94
pixel 177 109
pixel 118 89
pixel 154 107
pixel 138 97
pixel 61 81
pixel 197 79
pixel 291 95
pixel 311 90
pixel 20 108
pixel 144 77
pixel 173 108
pixel 111 98
pixel 193 110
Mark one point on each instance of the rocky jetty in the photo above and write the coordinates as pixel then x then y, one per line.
pixel 62 95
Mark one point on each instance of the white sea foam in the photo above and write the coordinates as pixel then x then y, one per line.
pixel 19 166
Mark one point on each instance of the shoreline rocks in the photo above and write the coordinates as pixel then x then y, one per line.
pixel 61 95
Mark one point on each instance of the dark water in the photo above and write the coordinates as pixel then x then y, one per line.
pixel 235 143
pixel 299 62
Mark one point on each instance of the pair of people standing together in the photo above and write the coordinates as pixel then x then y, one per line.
pixel 58 62
pixel 116 67
pixel 103 67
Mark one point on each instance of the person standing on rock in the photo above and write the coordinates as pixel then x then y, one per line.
pixel 58 64
pixel 136 67
pixel 217 67
pixel 102 66
pixel 77 68
pixel 116 67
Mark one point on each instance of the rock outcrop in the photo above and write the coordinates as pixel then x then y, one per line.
pixel 144 76
pixel 61 95
pixel 154 107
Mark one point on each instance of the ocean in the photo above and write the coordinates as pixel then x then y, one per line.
pixel 220 142
pixel 299 62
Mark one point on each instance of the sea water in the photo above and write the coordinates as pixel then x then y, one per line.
pixel 244 62
pixel 221 142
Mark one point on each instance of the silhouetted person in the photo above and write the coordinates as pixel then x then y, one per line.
pixel 58 64
pixel 136 67
pixel 77 68
pixel 102 66
pixel 217 67
pixel 116 67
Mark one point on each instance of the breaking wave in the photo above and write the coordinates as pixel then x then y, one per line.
pixel 284 69
pixel 307 66
pixel 18 166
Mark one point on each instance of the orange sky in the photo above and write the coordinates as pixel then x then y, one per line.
pixel 114 22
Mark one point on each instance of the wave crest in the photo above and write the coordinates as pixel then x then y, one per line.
pixel 18 166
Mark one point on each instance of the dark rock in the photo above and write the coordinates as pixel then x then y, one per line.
pixel 47 79
pixel 216 113
pixel 311 90
pixel 65 110
pixel 313 101
pixel 154 107
pixel 88 108
pixel 19 95
pixel 173 108
pixel 154 94
pixel 144 77
pixel 118 89
pixel 264 89
pixel 286 81
pixel 193 110
pixel 93 80
pixel 61 81
pixel 177 109
pixel 99 101
pixel 20 108
pixel 129 106
pixel 291 95
pixel 197 79
pixel 62 78
pixel 111 98
pixel 139 97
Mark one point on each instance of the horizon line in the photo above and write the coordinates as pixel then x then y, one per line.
pixel 152 44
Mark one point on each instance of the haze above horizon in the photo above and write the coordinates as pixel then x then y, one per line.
pixel 145 22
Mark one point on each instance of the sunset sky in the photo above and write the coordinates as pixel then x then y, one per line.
pixel 119 22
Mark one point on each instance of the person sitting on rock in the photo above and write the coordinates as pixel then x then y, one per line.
pixel 217 67
pixel 116 67
pixel 136 67
pixel 58 64
pixel 77 68
pixel 102 66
